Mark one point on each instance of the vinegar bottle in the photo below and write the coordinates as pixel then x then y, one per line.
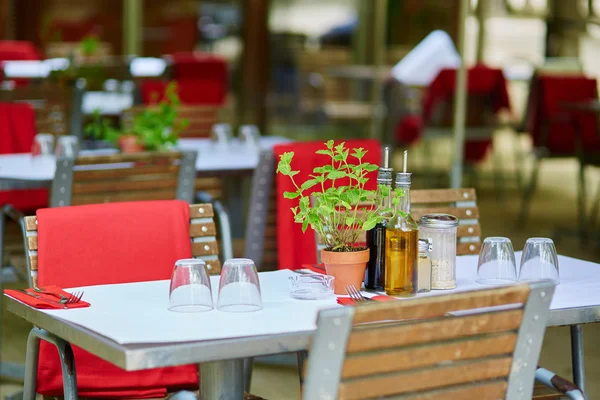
pixel 401 244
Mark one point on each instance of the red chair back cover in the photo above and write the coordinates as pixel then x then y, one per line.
pixel 295 248
pixel 17 130
pixel 482 80
pixel 110 244
pixel 11 50
pixel 546 106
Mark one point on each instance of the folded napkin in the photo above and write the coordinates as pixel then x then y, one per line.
pixel 40 303
pixel 318 268
pixel 347 301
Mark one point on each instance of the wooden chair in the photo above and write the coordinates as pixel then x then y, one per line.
pixel 57 107
pixel 440 347
pixel 124 177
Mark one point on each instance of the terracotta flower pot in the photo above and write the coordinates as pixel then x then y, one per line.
pixel 348 268
pixel 130 144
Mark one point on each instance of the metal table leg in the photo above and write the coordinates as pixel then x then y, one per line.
pixel 222 380
pixel 577 356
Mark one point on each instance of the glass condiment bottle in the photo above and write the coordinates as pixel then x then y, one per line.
pixel 401 237
pixel 424 267
pixel 375 272
pixel 441 230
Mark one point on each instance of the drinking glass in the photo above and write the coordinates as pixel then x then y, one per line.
pixel 190 287
pixel 67 146
pixel 539 261
pixel 496 262
pixel 43 145
pixel 239 287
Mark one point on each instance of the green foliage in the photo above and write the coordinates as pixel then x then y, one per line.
pixel 156 127
pixel 89 45
pixel 334 211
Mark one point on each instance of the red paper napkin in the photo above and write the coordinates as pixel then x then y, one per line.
pixel 41 304
pixel 347 301
pixel 318 268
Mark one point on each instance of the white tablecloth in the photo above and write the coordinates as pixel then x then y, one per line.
pixel 234 157
pixel 137 313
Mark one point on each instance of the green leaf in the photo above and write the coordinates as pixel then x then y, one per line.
pixel 304 225
pixel 290 195
pixel 336 175
pixel 324 209
pixel 371 167
pixel 339 149
pixel 308 184
pixel 350 221
pixel 284 168
pixel 359 153
pixel 345 204
pixel 294 210
pixel 323 151
pixel 329 144
pixel 369 224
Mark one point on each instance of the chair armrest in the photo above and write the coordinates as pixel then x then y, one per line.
pixel 225 227
pixel 551 380
pixel 12 213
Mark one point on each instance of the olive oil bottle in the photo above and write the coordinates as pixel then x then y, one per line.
pixel 401 243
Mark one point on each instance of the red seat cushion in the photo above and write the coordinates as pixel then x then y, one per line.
pixel 295 248
pixel 109 244
pixel 17 127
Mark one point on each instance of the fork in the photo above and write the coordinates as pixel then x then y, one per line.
pixel 356 295
pixel 72 299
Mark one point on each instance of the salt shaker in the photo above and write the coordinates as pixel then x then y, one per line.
pixel 441 230
pixel 424 266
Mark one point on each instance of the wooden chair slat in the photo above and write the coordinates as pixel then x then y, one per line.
pixel 468 230
pixel 34 262
pixel 140 195
pixel 468 248
pixel 213 267
pixel 460 213
pixel 32 243
pixel 154 182
pixel 205 248
pixel 203 229
pixel 31 223
pixel 201 211
pixel 149 158
pixel 432 330
pixel 359 365
pixel 118 173
pixel 422 380
pixel 432 196
pixel 493 389
pixel 441 306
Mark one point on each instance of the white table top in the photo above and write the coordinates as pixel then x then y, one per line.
pixel 128 313
pixel 235 157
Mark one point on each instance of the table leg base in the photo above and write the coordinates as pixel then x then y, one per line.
pixel 222 380
pixel 12 371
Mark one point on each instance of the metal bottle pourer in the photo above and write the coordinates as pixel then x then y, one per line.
pixel 384 174
pixel 403 178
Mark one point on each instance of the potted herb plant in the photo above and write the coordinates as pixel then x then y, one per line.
pixel 334 211
pixel 155 128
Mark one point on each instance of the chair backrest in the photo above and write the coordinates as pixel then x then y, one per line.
pixel 58 107
pixel 474 345
pixel 124 177
pixel 261 228
pixel 202 235
pixel 458 202
pixel 200 119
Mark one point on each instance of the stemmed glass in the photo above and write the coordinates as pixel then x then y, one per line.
pixel 496 264
pixel 239 287
pixel 539 261
pixel 190 289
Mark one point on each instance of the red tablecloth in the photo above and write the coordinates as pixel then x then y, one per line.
pixel 482 80
pixel 17 130
pixel 547 105
pixel 109 244
pixel 295 248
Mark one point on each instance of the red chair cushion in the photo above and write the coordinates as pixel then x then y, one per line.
pixel 109 244
pixel 17 127
pixel 295 248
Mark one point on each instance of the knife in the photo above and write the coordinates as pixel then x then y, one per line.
pixel 56 303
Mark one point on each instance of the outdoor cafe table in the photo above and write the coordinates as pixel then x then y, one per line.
pixel 129 324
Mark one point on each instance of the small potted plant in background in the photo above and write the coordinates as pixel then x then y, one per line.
pixel 155 128
pixel 334 212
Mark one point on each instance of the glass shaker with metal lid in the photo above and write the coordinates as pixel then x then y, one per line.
pixel 441 230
